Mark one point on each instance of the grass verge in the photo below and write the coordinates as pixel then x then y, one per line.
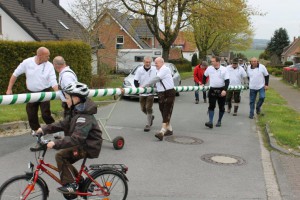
pixel 284 122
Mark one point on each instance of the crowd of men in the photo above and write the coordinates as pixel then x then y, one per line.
pixel 253 76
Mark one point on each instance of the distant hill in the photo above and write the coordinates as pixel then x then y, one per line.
pixel 259 44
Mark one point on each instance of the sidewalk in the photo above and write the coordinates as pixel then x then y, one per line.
pixel 287 167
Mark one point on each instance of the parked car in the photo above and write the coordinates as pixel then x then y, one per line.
pixel 129 80
pixel 295 67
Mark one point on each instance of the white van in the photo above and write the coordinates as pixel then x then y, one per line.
pixel 128 59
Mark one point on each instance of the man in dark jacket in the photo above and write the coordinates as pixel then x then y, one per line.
pixel 84 138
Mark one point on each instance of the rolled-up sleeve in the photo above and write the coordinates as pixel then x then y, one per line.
pixel 52 77
pixel 20 69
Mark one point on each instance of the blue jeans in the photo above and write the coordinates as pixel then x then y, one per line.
pixel 253 94
pixel 197 93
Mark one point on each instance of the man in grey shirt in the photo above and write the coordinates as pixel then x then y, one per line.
pixel 66 77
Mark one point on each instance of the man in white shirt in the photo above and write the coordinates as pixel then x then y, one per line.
pixel 242 64
pixel 142 76
pixel 166 96
pixel 40 77
pixel 237 75
pixel 258 83
pixel 66 77
pixel 218 82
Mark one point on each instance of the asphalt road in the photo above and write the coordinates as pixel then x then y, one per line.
pixel 170 170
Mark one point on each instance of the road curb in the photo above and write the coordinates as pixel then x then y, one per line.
pixel 14 125
pixel 272 142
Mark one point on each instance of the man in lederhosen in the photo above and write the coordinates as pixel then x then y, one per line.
pixel 142 76
pixel 237 76
pixel 166 96
pixel 219 82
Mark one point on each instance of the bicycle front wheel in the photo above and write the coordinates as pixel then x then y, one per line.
pixel 112 182
pixel 18 187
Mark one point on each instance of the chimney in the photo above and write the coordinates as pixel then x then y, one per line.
pixel 56 2
pixel 29 4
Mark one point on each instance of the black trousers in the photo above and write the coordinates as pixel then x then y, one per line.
pixel 214 96
pixel 32 110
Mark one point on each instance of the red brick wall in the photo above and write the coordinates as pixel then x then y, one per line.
pixel 108 30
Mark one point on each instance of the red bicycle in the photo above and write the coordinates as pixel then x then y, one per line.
pixel 102 181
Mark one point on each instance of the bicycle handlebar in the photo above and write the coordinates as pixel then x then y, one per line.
pixel 41 144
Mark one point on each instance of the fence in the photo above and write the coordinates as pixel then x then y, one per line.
pixel 291 77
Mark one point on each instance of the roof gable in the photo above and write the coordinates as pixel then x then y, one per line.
pixel 293 48
pixel 48 22
pixel 135 28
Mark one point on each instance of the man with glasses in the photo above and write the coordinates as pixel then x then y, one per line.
pixel 142 76
pixel 237 75
pixel 258 83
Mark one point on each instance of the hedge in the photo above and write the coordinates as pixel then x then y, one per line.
pixel 77 55
pixel 182 65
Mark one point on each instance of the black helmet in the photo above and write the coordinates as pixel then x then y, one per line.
pixel 77 89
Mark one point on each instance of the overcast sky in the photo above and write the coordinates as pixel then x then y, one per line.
pixel 279 14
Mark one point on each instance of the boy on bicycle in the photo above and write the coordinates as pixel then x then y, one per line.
pixel 83 139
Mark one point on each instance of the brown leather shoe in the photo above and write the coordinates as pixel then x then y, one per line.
pixel 168 133
pixel 147 128
pixel 159 135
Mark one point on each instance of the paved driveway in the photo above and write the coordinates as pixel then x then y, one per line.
pixel 173 171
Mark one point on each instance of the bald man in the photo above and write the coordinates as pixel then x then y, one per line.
pixel 40 77
pixel 66 77
pixel 166 96
pixel 258 83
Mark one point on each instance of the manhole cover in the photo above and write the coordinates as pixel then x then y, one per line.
pixel 223 159
pixel 184 140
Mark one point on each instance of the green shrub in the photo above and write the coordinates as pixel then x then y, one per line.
pixel 194 60
pixel 182 65
pixel 77 55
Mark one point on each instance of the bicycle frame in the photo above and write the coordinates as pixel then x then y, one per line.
pixel 42 166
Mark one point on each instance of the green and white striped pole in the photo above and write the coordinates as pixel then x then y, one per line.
pixel 46 96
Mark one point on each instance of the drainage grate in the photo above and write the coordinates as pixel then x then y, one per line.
pixel 223 159
pixel 184 140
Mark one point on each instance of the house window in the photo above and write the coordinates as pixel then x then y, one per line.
pixel 120 42
pixel 138 58
pixel 63 24
pixel 0 25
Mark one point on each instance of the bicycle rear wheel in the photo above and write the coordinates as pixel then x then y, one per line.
pixel 112 182
pixel 14 187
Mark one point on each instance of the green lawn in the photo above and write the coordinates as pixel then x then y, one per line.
pixel 251 53
pixel 284 122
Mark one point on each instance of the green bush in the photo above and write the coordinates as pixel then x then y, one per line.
pixel 182 65
pixel 194 60
pixel 77 55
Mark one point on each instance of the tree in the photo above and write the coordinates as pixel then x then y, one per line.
pixel 221 25
pixel 194 60
pixel 164 18
pixel 278 42
pixel 86 12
